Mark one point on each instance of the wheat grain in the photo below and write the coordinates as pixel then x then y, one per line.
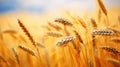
pixel 103 32
pixel 63 21
pixel 65 40
pixel 29 51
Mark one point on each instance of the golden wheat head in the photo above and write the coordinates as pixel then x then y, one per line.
pixel 29 51
pixel 110 49
pixel 93 23
pixel 26 31
pixel 55 26
pixel 65 40
pixel 102 7
pixel 54 34
pixel 63 21
pixel 103 32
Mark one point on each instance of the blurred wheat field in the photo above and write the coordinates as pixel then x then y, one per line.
pixel 91 39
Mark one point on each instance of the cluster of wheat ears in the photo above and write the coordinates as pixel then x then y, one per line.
pixel 75 43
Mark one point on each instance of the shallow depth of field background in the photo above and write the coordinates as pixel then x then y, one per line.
pixel 36 14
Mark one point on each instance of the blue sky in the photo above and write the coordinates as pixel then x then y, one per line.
pixel 8 5
pixel 46 5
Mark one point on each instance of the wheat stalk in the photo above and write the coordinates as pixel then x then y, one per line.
pixel 22 38
pixel 16 55
pixel 63 21
pixel 29 51
pixel 99 15
pixel 80 41
pixel 67 33
pixel 119 19
pixel 1 35
pixel 1 58
pixel 93 40
pixel 102 7
pixel 82 22
pixel 78 36
pixel 65 40
pixel 26 32
pixel 4 60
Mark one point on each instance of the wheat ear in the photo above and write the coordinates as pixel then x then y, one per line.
pixel 65 40
pixel 26 31
pixel 102 7
pixel 29 51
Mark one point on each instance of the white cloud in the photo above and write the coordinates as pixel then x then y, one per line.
pixel 31 3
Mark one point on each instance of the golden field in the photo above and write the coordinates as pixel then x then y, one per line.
pixel 64 39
